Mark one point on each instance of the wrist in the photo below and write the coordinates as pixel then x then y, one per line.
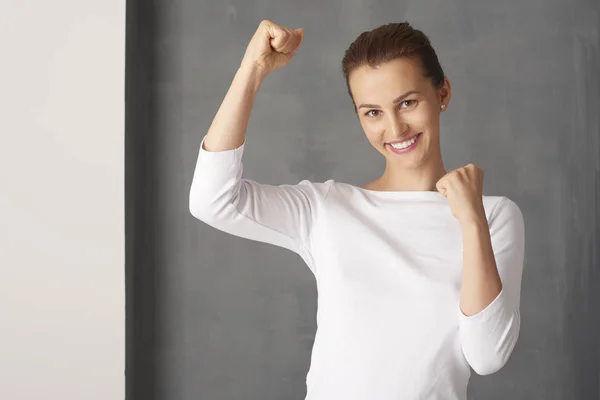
pixel 253 71
pixel 474 221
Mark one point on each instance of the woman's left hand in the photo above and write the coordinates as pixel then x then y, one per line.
pixel 463 187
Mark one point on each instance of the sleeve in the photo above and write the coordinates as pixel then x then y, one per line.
pixel 281 215
pixel 489 337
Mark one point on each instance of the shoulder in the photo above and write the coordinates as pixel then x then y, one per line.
pixel 327 186
pixel 314 189
pixel 503 213
pixel 501 206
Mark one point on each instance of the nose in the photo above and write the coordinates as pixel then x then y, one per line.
pixel 398 127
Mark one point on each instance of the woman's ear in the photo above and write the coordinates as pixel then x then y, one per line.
pixel 445 92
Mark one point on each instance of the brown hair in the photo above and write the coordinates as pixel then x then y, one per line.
pixel 389 42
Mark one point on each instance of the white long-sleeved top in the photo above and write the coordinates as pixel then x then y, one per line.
pixel 388 272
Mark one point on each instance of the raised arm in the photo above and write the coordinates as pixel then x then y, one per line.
pixel 281 215
pixel 271 47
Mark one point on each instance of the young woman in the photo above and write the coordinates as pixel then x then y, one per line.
pixel 418 273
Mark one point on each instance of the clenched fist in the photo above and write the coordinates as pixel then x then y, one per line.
pixel 272 46
pixel 463 188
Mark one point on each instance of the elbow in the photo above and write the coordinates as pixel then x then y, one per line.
pixel 201 211
pixel 194 208
pixel 196 211
pixel 488 366
pixel 487 359
pixel 210 206
pixel 213 197
pixel 489 350
pixel 199 206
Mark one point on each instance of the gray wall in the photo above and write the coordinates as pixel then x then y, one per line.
pixel 211 316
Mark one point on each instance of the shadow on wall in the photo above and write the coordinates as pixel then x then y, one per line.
pixel 140 258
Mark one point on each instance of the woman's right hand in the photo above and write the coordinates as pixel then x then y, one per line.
pixel 272 46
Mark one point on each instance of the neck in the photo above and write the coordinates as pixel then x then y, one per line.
pixel 423 178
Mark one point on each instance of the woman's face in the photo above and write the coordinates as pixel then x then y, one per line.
pixel 395 102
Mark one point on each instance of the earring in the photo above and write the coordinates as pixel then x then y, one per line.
pixel 443 106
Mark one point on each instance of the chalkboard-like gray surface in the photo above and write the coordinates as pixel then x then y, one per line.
pixel 210 316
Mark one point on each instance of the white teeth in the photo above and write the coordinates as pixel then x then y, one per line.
pixel 404 145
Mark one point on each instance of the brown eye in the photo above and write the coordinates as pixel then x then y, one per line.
pixel 410 103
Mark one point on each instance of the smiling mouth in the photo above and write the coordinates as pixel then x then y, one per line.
pixel 406 143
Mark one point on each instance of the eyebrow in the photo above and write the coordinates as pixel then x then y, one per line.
pixel 396 100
